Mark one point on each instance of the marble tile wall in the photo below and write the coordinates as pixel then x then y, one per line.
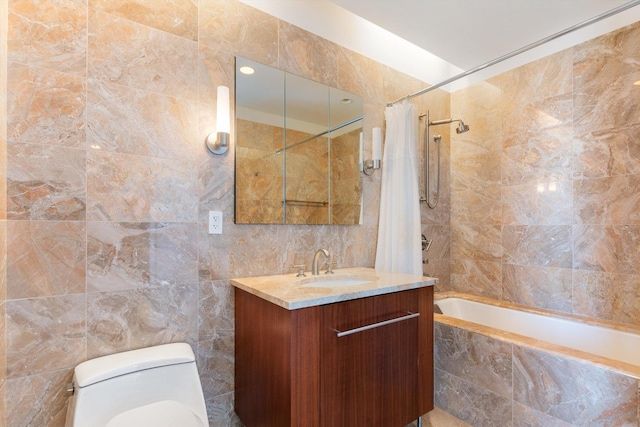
pixel 485 381
pixel 107 184
pixel 544 188
pixel 3 211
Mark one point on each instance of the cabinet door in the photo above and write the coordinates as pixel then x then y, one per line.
pixel 370 377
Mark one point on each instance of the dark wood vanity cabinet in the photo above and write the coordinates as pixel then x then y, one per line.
pixel 292 368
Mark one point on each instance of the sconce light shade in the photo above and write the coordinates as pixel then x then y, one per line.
pixel 219 143
pixel 376 149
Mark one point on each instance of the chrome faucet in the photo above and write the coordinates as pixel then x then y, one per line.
pixel 316 256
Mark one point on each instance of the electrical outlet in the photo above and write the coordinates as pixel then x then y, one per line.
pixel 215 222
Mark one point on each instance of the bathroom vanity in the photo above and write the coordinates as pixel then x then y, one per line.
pixel 355 348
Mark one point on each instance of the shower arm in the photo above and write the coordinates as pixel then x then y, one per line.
pixel 443 122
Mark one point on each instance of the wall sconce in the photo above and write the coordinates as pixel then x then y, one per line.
pixel 368 166
pixel 218 142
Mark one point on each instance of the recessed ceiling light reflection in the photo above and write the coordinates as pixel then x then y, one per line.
pixel 346 101
pixel 637 83
pixel 247 70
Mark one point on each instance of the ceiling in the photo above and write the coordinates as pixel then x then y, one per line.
pixel 433 40
pixel 468 33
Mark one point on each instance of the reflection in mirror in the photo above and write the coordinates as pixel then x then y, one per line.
pixel 297 145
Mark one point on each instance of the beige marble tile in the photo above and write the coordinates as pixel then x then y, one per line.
pixel 543 287
pixel 477 207
pixel 611 104
pixel 45 107
pixel 232 27
pixel 469 402
pixel 540 79
pixel 216 310
pixel 538 245
pixel 45 258
pixel 613 54
pixel 127 320
pixel 483 361
pixel 179 17
pixel 215 69
pixel 542 203
pixel 308 55
pixel 45 183
pixel 360 250
pixel 3 350
pixel 220 411
pixel 132 121
pixel 606 153
pixel 45 334
pixel 137 255
pixel 215 359
pixel 438 102
pixel 524 416
pixel 573 391
pixel 538 122
pixel 228 257
pixel 3 402
pixel 474 171
pixel 480 106
pixel 398 85
pixel 610 200
pixel 38 400
pixel 607 296
pixel 610 248
pixel 440 236
pixel 477 277
pixel 472 241
pixel 127 53
pixel 49 34
pixel 350 248
pixel 537 162
pixel 3 263
pixel 124 187
pixel 440 269
pixel 360 75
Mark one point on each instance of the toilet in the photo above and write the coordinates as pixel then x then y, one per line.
pixel 151 387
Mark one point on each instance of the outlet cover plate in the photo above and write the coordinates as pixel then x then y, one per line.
pixel 215 222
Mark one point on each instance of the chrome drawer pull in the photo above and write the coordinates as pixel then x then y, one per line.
pixel 409 315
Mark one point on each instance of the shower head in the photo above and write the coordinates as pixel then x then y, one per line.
pixel 462 128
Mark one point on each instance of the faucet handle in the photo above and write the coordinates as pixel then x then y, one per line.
pixel 329 268
pixel 300 268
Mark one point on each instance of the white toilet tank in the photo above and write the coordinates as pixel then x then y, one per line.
pixel 151 387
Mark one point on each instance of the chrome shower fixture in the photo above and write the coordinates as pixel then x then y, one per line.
pixel 462 128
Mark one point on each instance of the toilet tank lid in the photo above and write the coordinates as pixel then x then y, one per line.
pixel 103 368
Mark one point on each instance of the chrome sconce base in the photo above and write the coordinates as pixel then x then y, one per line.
pixel 218 143
pixel 369 166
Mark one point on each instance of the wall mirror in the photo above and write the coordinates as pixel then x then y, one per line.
pixel 297 149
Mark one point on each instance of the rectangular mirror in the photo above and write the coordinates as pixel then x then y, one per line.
pixel 297 149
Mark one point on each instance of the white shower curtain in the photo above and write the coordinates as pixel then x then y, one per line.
pixel 399 233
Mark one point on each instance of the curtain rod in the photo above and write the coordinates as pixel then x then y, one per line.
pixel 578 26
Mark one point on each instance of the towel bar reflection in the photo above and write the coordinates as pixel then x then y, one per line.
pixel 409 315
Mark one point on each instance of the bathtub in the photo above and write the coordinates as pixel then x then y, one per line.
pixel 498 363
pixel 618 345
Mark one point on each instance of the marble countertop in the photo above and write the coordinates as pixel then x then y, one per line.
pixel 288 291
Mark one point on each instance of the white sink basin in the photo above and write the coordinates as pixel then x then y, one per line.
pixel 335 281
